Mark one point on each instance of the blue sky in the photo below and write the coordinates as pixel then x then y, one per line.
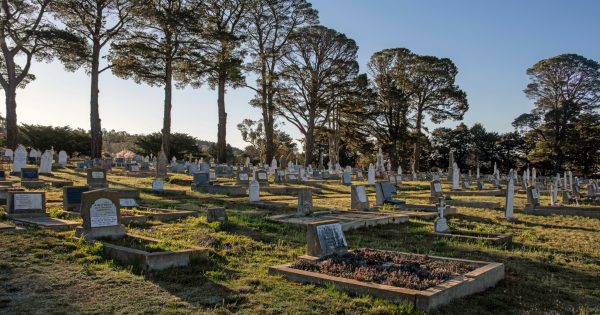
pixel 491 42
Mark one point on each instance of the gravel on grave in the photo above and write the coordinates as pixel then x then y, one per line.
pixel 388 268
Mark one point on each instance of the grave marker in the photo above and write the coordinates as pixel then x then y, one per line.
pixel 72 196
pixel 510 199
pixel 25 204
pixel 254 191
pixel 441 225
pixel 326 238
pixel 305 204
pixel 100 211
pixel 96 178
pixel 359 198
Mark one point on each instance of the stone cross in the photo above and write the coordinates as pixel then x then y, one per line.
pixel 441 225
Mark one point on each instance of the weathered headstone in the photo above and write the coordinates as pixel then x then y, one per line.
pixel 63 158
pixel 359 198
pixel 510 199
pixel 325 238
pixel 25 204
pixel 371 175
pixel 46 162
pixel 201 179
pixel 455 177
pixel 436 189
pixel 216 215
pixel 305 205
pixel 158 184
pixel 101 214
pixel 533 197
pixel 20 159
pixel 161 165
pixel 96 178
pixel 254 191
pixel 347 178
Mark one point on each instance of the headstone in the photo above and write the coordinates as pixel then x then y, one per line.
pixel 72 197
pixel 347 178
pixel 201 179
pixel 305 204
pixel 29 174
pixel 216 215
pixel 46 162
pixel 451 165
pixel 20 158
pixel 510 199
pixel 25 204
pixel 436 189
pixel 371 175
pixel 243 178
pixel 96 178
pixel 533 197
pixel 63 158
pixel 9 153
pixel 441 225
pixel 101 214
pixel 455 177
pixel 158 184
pixel 325 238
pixel 161 165
pixel 254 191
pixel 359 198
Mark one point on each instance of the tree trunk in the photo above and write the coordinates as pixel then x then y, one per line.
pixel 269 124
pixel 166 131
pixel 11 117
pixel 417 149
pixel 95 123
pixel 222 127
pixel 309 147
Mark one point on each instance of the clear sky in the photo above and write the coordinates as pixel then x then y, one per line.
pixel 491 42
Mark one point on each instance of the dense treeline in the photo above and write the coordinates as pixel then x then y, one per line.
pixel 307 75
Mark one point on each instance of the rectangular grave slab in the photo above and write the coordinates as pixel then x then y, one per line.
pixel 583 211
pixel 150 260
pixel 487 275
pixel 25 204
pixel 348 219
pixel 47 223
pixel 491 238
pixel 7 228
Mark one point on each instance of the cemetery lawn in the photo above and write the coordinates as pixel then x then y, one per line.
pixel 552 265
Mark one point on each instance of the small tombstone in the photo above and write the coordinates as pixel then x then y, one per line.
pixel 201 179
pixel 455 177
pixel 262 177
pixel 359 198
pixel 158 184
pixel 441 225
pixel 63 158
pixel 392 179
pixel 510 199
pixel 533 197
pixel 371 175
pixel 384 192
pixel 325 238
pixel 72 197
pixel 29 174
pixel 243 178
pixel 436 189
pixel 347 178
pixel 128 202
pixel 359 175
pixel 254 191
pixel 305 204
pixel 101 214
pixel 96 178
pixel 20 158
pixel 25 204
pixel 216 215
pixel 46 162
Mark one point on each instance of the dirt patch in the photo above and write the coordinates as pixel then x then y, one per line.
pixel 389 268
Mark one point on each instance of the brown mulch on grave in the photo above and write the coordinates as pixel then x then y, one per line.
pixel 388 268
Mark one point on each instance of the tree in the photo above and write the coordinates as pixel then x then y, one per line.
pixel 26 33
pixel 563 88
pixel 253 133
pixel 97 22
pixel 387 120
pixel 430 82
pixel 155 49
pixel 182 145
pixel 270 26
pixel 59 138
pixel 217 54
pixel 319 67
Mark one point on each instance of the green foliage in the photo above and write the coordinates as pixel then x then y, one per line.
pixel 61 138
pixel 253 133
pixel 182 145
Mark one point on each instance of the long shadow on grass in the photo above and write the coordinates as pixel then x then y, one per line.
pixel 545 286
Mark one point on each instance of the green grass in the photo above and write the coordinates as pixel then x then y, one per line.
pixel 552 266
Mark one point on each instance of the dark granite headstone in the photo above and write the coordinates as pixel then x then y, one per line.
pixel 29 173
pixel 201 179
pixel 325 238
pixel 72 197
